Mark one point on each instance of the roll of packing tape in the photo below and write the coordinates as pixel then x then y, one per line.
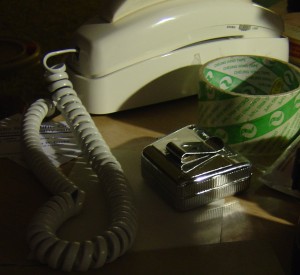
pixel 17 54
pixel 251 102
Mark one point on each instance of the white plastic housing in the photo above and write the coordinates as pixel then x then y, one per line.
pixel 144 49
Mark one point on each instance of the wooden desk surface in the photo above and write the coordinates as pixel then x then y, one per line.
pixel 254 230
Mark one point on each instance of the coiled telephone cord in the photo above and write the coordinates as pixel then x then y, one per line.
pixel 68 199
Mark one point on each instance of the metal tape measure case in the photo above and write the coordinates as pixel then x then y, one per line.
pixel 190 168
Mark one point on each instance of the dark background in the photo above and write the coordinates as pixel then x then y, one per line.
pixel 49 23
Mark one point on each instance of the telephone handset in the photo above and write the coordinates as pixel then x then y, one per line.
pixel 128 7
pixel 163 42
pixel 67 198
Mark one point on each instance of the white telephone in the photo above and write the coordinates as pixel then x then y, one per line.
pixel 151 50
pixel 111 69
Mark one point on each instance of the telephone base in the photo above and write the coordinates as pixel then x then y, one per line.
pixel 171 76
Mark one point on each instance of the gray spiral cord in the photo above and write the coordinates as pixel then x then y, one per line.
pixel 67 198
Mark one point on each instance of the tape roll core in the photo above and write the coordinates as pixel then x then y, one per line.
pixel 251 102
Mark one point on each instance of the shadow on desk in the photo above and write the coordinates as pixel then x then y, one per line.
pixel 172 115
pixel 245 258
pixel 257 240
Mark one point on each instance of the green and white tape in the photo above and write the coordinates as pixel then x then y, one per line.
pixel 251 102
